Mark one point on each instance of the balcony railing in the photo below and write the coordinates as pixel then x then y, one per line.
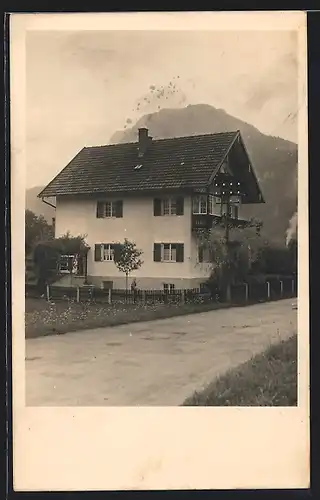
pixel 207 221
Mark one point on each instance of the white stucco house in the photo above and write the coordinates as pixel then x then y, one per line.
pixel 157 193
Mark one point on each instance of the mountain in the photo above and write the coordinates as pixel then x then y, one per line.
pixel 274 159
pixel 37 206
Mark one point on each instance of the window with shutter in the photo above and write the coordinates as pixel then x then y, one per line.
pixel 168 252
pixel 168 206
pixel 109 209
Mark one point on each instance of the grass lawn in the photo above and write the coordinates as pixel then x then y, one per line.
pixel 48 318
pixel 268 379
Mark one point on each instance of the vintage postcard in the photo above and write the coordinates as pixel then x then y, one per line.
pixel 160 292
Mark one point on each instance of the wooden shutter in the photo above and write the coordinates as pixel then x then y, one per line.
pixel 119 208
pixel 180 203
pixel 116 247
pixel 200 253
pixel 180 252
pixel 156 207
pixel 157 252
pixel 98 252
pixel 100 209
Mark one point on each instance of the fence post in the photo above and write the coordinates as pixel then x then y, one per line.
pixel 78 294
pixel 48 292
pixel 182 296
pixel 228 293
pixel 109 296
pixel 268 289
pixel 246 291
pixel 281 288
pixel 143 297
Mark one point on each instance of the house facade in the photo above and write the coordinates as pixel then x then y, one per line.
pixel 158 193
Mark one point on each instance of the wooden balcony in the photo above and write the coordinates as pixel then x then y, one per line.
pixel 202 221
pixel 207 221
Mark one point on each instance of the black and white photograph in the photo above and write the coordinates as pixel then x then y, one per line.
pixel 161 183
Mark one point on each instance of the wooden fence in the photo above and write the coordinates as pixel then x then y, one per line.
pixel 274 289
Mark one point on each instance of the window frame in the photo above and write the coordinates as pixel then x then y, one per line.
pixel 172 246
pixel 201 198
pixel 66 256
pixel 161 250
pixel 110 252
pixel 233 210
pixel 113 209
pixel 172 206
pixel 109 209
pixel 169 287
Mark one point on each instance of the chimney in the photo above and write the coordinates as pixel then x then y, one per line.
pixel 144 141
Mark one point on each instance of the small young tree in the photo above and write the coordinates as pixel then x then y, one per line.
pixel 127 258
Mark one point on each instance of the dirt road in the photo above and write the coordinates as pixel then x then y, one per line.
pixel 153 363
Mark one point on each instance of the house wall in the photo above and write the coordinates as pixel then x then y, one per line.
pixel 138 224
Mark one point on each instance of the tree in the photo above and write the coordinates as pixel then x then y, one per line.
pixel 231 252
pixel 127 258
pixel 47 254
pixel 36 229
pixel 275 259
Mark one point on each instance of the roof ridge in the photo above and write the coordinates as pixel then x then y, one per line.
pixel 165 139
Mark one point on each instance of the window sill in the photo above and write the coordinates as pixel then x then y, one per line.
pixel 169 262
pixel 214 214
pixel 169 215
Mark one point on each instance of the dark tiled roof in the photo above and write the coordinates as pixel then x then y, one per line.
pixel 181 162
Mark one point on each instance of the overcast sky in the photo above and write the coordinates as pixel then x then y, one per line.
pixel 83 86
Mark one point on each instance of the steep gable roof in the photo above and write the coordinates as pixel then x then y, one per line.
pixel 180 162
